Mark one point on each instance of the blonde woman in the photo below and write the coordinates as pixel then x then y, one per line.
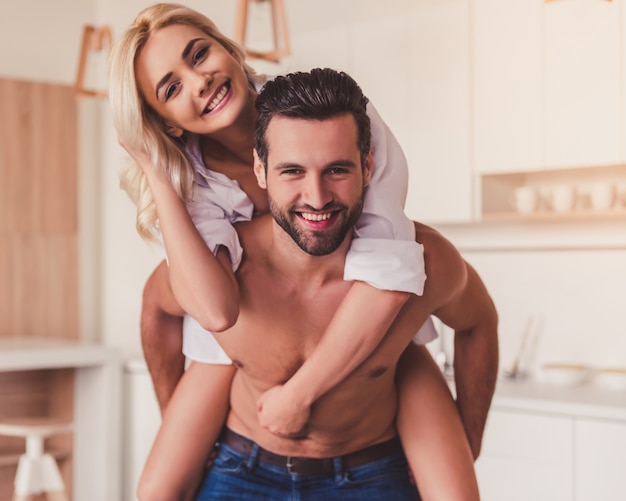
pixel 183 104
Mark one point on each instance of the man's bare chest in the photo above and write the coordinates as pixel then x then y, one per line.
pixel 278 328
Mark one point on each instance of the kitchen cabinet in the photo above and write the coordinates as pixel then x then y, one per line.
pixel 600 460
pixel 548 87
pixel 438 143
pixel 526 456
pixel 553 442
pixel 507 81
pixel 583 83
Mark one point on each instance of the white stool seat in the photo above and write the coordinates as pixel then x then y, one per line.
pixel 37 471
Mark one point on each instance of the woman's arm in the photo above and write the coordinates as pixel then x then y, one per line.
pixel 204 285
pixel 431 431
pixel 358 326
pixel 191 425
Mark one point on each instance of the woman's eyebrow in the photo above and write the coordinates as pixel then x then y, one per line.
pixel 185 53
pixel 189 46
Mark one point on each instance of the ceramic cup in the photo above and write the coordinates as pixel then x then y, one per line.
pixel 525 199
pixel 602 195
pixel 561 197
pixel 620 193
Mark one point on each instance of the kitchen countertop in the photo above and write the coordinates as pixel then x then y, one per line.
pixel 30 353
pixel 587 400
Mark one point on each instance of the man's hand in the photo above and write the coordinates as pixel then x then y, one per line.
pixel 281 413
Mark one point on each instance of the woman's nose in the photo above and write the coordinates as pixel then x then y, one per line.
pixel 201 83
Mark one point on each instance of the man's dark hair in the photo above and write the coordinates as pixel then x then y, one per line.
pixel 316 95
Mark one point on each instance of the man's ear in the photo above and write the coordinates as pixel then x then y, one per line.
pixel 259 171
pixel 368 167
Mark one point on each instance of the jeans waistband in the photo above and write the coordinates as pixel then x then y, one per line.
pixel 311 466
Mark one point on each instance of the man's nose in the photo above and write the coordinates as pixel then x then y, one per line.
pixel 316 194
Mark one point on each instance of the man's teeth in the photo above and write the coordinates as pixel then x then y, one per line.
pixel 217 99
pixel 316 217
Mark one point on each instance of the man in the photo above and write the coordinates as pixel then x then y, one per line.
pixel 315 165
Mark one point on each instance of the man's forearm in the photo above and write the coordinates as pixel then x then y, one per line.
pixel 475 374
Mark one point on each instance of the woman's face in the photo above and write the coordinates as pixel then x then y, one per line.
pixel 191 80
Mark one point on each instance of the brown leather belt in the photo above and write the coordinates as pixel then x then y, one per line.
pixel 311 466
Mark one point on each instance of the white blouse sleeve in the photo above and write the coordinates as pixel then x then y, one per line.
pixel 384 253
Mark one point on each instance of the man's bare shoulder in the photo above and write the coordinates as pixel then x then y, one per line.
pixel 254 233
pixel 446 270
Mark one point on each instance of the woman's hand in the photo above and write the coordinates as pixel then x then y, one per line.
pixel 141 157
pixel 281 413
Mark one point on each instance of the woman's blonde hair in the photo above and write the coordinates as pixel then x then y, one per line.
pixel 138 125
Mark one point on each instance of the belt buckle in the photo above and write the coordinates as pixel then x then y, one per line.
pixel 289 464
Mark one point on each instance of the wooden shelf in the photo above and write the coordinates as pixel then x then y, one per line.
pixel 555 217
pixel 11 458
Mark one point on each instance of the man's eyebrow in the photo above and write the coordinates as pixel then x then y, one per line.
pixel 287 165
pixel 185 53
pixel 335 163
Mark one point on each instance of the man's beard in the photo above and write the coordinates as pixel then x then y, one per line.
pixel 323 242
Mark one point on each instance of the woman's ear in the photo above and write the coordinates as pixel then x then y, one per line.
pixel 259 171
pixel 173 131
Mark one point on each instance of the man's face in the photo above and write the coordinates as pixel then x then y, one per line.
pixel 315 180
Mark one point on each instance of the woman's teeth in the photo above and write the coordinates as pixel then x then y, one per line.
pixel 316 217
pixel 217 99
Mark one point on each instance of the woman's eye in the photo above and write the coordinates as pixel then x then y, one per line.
pixel 200 55
pixel 170 91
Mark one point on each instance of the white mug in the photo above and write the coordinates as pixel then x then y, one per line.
pixel 602 195
pixel 561 197
pixel 620 193
pixel 525 199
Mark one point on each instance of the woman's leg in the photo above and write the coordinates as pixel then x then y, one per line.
pixel 431 431
pixel 191 425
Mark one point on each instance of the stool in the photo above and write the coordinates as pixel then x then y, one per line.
pixel 37 471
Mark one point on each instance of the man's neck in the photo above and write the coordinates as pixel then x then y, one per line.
pixel 292 260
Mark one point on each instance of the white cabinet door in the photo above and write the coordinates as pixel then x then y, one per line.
pixel 583 84
pixel 437 140
pixel 600 460
pixel 526 456
pixel 507 80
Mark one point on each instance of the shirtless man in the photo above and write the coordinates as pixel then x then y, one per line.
pixel 315 169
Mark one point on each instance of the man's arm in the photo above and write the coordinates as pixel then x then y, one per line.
pixel 476 365
pixel 161 335
pixel 472 314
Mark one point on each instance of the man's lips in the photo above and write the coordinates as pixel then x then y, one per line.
pixel 316 216
pixel 318 220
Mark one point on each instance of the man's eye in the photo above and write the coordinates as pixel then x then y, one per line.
pixel 292 172
pixel 338 171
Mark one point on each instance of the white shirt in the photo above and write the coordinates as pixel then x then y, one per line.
pixel 383 253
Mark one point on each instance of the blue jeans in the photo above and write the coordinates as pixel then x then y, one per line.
pixel 235 476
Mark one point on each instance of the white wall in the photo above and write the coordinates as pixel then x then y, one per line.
pixel 577 295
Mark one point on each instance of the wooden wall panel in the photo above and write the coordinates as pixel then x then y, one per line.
pixel 38 210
